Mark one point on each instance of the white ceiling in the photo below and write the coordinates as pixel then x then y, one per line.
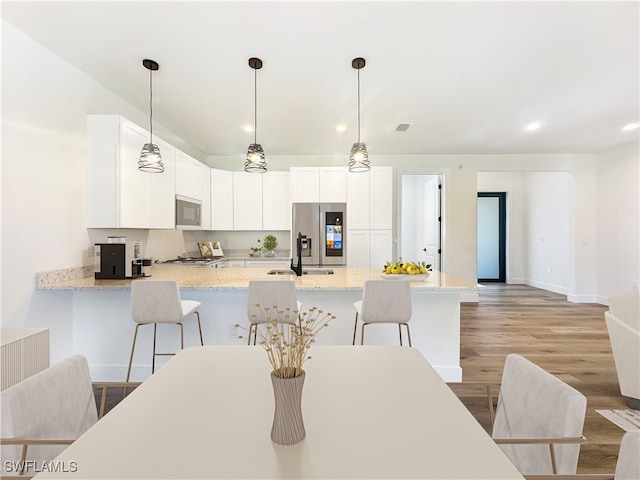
pixel 469 76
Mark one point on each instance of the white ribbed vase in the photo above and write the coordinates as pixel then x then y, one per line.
pixel 288 427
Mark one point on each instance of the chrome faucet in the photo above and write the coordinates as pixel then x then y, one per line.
pixel 298 269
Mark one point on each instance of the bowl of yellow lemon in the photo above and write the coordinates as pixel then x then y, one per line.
pixel 405 270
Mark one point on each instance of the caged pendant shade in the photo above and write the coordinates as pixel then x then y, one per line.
pixel 255 161
pixel 150 158
pixel 359 158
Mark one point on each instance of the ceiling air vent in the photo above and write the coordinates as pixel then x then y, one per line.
pixel 403 127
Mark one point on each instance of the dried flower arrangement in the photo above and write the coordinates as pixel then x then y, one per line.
pixel 287 344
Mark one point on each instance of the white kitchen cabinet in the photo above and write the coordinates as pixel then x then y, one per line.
pixel 276 201
pixel 221 200
pixel 358 205
pixel 247 201
pixel 318 184
pixel 118 194
pixel 370 199
pixel 305 184
pixel 380 248
pixel 189 173
pixel 381 198
pixel 235 263
pixel 358 248
pixel 205 213
pixel 333 184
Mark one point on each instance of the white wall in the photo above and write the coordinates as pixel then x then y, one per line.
pixel 618 219
pixel 45 101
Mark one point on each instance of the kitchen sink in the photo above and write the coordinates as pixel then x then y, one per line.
pixel 311 271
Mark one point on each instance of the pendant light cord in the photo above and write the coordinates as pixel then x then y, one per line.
pixel 150 106
pixel 255 105
pixel 358 105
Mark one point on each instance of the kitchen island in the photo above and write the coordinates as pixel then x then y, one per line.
pixel 102 326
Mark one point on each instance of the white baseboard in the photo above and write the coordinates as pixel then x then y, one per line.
pixel 547 286
pixel 574 298
pixel 469 297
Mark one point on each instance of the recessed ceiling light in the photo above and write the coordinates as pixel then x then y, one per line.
pixel 248 129
pixel 630 126
pixel 533 126
pixel 341 127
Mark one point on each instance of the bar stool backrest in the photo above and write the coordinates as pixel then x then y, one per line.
pixel 156 301
pixel 386 301
pixel 270 294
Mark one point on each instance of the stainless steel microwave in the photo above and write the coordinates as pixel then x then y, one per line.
pixel 188 213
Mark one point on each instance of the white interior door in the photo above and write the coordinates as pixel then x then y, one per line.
pixel 421 219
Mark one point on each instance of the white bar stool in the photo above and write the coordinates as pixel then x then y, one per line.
pixel 270 294
pixel 384 301
pixel 158 301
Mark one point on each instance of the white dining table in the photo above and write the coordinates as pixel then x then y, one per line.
pixel 369 412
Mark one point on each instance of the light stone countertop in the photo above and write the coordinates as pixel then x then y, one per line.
pixel 191 277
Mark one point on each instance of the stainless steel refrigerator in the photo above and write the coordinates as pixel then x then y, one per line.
pixel 323 233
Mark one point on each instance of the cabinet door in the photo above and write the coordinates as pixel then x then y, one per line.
pixel 221 200
pixel 247 201
pixel 276 202
pixel 380 248
pixel 162 190
pixel 134 184
pixel 358 248
pixel 305 184
pixel 205 213
pixel 333 184
pixel 381 198
pixel 189 172
pixel 358 203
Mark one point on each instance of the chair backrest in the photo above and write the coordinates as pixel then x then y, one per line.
pixel 155 301
pixel 386 301
pixel 535 404
pixel 628 466
pixel 56 403
pixel 627 308
pixel 269 294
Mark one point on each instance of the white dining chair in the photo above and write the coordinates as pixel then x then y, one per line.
pixel 158 301
pixel 384 301
pixel 539 419
pixel 271 294
pixel 627 466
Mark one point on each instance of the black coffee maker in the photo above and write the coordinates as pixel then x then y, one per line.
pixel 119 260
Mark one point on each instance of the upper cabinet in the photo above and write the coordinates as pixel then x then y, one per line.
pixel 276 201
pixel 221 199
pixel 318 184
pixel 370 199
pixel 189 173
pixel 118 194
pixel 247 201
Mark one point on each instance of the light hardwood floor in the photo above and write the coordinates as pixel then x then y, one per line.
pixel 569 340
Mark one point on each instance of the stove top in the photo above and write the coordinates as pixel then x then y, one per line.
pixel 194 260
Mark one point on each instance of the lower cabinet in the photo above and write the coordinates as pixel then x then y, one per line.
pixel 258 263
pixel 369 248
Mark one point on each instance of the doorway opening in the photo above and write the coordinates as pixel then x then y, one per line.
pixel 492 236
pixel 422 219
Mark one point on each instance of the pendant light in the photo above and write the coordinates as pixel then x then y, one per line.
pixel 359 158
pixel 150 158
pixel 255 162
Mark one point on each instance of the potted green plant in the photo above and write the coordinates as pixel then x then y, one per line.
pixel 270 243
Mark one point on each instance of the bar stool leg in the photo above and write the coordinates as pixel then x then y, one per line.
pixel 362 334
pixel 153 360
pixel 200 328
pixel 408 333
pixel 400 331
pixel 133 347
pixel 355 327
pixel 181 336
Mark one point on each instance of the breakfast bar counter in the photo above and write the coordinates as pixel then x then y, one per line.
pixel 101 328
pixel 203 278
